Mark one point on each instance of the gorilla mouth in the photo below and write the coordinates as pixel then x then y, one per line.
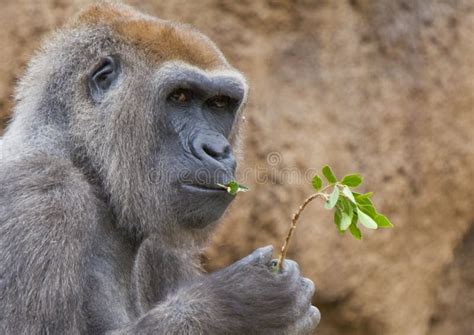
pixel 203 188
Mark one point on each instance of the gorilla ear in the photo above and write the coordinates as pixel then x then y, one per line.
pixel 102 78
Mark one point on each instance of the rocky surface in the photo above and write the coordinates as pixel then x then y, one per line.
pixel 383 87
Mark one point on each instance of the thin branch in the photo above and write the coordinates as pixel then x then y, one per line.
pixel 294 221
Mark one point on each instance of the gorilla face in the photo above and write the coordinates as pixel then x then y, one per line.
pixel 163 138
pixel 197 112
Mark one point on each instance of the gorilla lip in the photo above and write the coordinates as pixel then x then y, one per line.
pixel 202 188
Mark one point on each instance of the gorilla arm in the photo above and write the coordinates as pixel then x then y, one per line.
pixel 47 214
pixel 245 297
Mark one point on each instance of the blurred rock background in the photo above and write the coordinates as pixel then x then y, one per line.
pixel 382 87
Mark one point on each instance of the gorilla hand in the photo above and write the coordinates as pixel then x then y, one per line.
pixel 264 302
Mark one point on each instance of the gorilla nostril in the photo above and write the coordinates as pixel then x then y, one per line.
pixel 217 149
pixel 210 151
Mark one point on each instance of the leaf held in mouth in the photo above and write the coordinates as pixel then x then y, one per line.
pixel 233 187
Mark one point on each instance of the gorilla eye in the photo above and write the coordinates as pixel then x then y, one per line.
pixel 220 102
pixel 103 77
pixel 181 96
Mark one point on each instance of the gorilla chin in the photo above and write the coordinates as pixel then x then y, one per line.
pixel 204 204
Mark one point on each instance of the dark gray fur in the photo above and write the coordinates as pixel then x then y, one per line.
pixel 95 235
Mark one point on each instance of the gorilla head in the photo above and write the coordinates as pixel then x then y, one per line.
pixel 151 110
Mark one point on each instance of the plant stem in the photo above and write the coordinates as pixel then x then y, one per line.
pixel 294 221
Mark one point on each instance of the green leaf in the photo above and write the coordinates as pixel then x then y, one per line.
pixel 363 199
pixel 233 187
pixel 355 231
pixel 337 219
pixel 367 195
pixel 346 221
pixel 317 182
pixel 243 188
pixel 369 210
pixel 348 193
pixel 346 205
pixel 365 204
pixel 337 216
pixel 332 199
pixel 366 220
pixel 327 172
pixel 382 221
pixel 352 180
pixel 348 214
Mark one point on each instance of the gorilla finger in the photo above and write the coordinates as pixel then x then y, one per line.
pixel 307 291
pixel 304 291
pixel 291 269
pixel 308 323
pixel 260 256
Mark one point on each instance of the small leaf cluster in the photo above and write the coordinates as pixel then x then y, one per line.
pixel 233 187
pixel 350 208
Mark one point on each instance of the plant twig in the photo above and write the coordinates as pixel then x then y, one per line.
pixel 294 221
pixel 350 209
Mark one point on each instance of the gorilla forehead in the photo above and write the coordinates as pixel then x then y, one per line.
pixel 160 40
pixel 216 82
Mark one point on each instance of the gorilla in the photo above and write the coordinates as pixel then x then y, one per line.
pixel 123 126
